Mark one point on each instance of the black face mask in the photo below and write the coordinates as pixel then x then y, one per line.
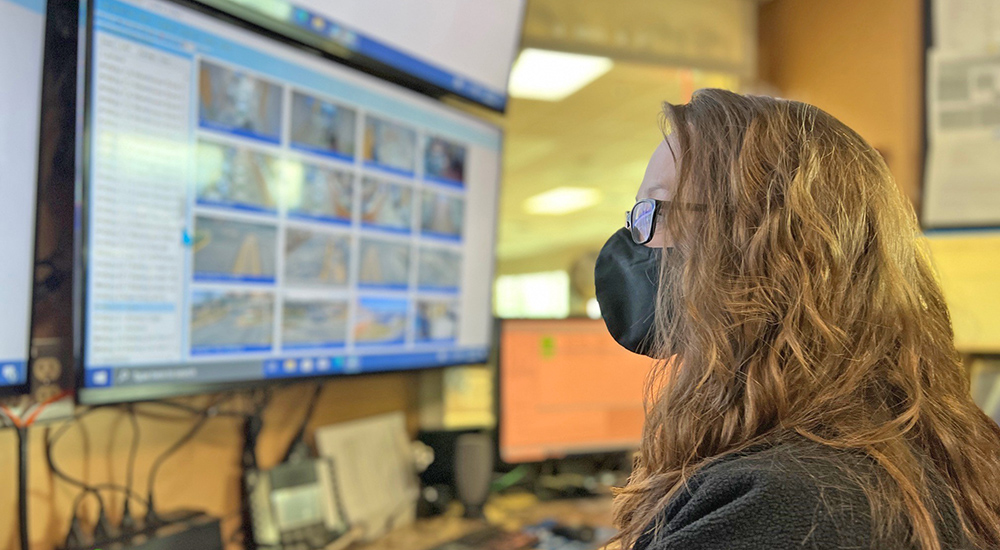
pixel 627 276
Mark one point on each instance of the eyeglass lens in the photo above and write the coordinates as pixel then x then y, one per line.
pixel 642 221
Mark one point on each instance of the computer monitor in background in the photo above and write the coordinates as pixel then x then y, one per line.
pixel 256 212
pixel 438 47
pixel 567 388
pixel 22 37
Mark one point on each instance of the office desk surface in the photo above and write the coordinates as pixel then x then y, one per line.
pixel 511 512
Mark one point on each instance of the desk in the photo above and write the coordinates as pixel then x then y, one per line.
pixel 511 512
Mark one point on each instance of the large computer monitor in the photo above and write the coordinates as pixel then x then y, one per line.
pixel 255 212
pixel 459 47
pixel 22 37
pixel 567 388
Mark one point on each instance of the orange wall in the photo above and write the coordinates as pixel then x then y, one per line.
pixel 861 61
pixel 203 475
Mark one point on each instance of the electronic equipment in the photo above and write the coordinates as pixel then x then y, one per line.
pixel 295 505
pixel 438 479
pixel 442 47
pixel 566 388
pixel 190 531
pixel 443 443
pixel 375 471
pixel 22 30
pixel 255 212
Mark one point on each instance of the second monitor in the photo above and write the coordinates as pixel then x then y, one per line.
pixel 567 388
pixel 22 30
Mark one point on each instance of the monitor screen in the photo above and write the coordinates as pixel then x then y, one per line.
pixel 464 48
pixel 255 212
pixel 22 30
pixel 567 388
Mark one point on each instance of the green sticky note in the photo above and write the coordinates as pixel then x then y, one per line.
pixel 548 347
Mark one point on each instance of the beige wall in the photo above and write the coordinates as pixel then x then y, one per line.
pixel 861 61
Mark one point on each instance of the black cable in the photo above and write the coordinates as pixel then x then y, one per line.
pixel 128 522
pixel 312 407
pixel 22 481
pixel 297 449
pixel 253 423
pixel 129 495
pixel 180 406
pixel 212 411
pixel 74 536
pixel 155 468
pixel 52 438
pixel 133 450
pixel 79 498
pixel 128 490
pixel 50 442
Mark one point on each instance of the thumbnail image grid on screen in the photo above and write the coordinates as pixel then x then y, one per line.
pixel 314 230
pixel 317 200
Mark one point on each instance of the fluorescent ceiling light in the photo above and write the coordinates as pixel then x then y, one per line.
pixel 553 76
pixel 562 200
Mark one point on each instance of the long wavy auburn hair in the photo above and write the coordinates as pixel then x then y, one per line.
pixel 805 305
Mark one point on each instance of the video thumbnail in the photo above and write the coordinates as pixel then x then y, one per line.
pixel 390 145
pixel 439 269
pixel 323 127
pixel 231 322
pixel 236 177
pixel 444 161
pixel 234 101
pixel 380 321
pixel 436 321
pixel 316 259
pixel 228 250
pixel 384 264
pixel 386 205
pixel 442 215
pixel 319 193
pixel 312 324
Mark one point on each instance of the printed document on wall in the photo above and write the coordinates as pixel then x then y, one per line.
pixel 962 186
pixel 967 25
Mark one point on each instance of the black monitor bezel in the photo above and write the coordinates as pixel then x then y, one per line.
pixel 48 79
pixel 74 230
pixel 954 227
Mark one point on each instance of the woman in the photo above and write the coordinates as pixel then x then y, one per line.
pixel 809 394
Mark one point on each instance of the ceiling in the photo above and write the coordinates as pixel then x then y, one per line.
pixel 710 34
pixel 600 137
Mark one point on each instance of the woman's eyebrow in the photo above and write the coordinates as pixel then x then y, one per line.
pixel 658 192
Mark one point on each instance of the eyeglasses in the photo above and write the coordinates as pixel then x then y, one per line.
pixel 641 220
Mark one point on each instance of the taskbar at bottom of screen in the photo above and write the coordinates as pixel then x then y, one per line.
pixel 299 365
pixel 13 372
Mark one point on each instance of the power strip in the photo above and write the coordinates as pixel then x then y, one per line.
pixel 196 531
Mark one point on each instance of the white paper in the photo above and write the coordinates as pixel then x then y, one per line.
pixel 962 178
pixel 967 25
pixel 963 93
pixel 962 186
